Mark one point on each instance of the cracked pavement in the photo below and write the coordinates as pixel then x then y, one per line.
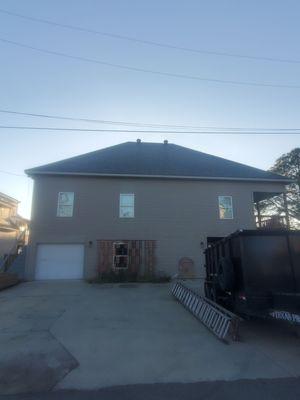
pixel 68 335
pixel 32 359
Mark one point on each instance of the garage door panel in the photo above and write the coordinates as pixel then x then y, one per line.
pixel 59 261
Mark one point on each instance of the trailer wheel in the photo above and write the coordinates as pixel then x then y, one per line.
pixel 225 272
pixel 213 294
pixel 206 290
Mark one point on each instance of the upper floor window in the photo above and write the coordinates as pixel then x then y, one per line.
pixel 225 207
pixel 126 205
pixel 65 204
pixel 4 212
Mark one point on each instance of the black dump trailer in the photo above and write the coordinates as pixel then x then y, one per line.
pixel 255 272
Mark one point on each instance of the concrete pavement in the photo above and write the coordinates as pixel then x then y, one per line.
pixel 74 335
pixel 258 389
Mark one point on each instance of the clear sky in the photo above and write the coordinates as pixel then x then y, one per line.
pixel 42 83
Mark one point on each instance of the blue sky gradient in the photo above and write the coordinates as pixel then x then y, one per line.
pixel 41 83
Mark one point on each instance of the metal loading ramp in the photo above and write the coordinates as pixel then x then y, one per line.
pixel 221 322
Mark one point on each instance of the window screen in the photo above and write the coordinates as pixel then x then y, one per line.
pixel 126 205
pixel 225 207
pixel 65 204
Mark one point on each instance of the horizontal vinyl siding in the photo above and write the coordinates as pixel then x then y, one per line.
pixel 179 215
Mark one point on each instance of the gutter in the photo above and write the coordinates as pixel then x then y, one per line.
pixel 285 181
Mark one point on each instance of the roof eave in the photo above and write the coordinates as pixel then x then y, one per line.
pixel 5 198
pixel 285 181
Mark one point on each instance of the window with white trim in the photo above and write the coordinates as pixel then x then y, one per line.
pixel 126 205
pixel 120 255
pixel 65 204
pixel 225 207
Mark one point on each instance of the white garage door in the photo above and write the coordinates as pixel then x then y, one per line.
pixel 59 261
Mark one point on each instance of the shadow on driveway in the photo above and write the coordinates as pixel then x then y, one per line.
pixel 275 389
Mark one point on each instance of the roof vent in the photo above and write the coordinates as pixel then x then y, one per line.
pixel 138 140
pixel 165 142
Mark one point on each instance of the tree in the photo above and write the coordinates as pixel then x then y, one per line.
pixel 287 165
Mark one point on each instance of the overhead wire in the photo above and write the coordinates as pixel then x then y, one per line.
pixel 149 42
pixel 148 71
pixel 138 124
pixel 12 173
pixel 205 132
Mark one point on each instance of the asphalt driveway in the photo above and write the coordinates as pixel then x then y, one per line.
pixel 75 335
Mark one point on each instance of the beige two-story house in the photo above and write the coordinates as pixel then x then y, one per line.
pixel 13 228
pixel 139 208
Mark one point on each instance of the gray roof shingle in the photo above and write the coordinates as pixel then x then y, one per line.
pixel 154 160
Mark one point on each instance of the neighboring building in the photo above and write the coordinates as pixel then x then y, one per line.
pixel 13 228
pixel 139 207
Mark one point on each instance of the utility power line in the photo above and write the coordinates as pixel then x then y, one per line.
pixel 141 124
pixel 13 173
pixel 104 121
pixel 148 71
pixel 149 42
pixel 43 128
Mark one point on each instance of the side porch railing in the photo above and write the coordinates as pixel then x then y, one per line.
pixel 271 222
pixel 9 258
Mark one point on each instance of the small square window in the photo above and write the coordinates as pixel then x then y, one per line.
pixel 225 207
pixel 126 205
pixel 65 204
